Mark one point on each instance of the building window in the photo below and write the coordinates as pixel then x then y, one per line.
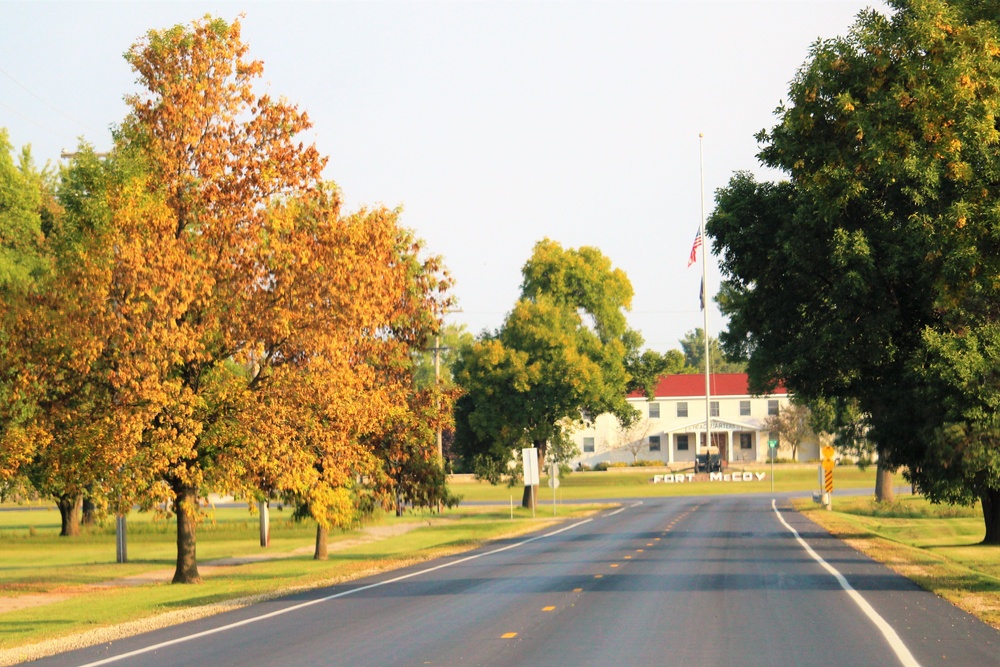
pixel 714 408
pixel 654 410
pixel 588 445
pixel 744 408
pixel 682 443
pixel 746 441
pixel 654 443
pixel 682 409
pixel 772 407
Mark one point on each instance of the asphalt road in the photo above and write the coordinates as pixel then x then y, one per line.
pixel 678 581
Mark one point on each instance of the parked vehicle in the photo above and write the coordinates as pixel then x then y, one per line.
pixel 707 460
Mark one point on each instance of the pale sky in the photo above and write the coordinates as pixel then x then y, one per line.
pixel 493 124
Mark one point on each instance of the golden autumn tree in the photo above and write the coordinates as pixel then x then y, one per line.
pixel 245 304
pixel 24 265
pixel 410 467
pixel 384 297
pixel 53 270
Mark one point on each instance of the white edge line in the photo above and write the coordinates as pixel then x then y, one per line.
pixel 622 509
pixel 302 605
pixel 903 653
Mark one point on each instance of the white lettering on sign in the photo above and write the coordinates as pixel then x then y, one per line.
pixel 680 478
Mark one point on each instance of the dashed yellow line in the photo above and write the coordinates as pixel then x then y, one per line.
pixel 550 608
pixel 508 635
pixel 577 590
pixel 614 565
pixel 598 576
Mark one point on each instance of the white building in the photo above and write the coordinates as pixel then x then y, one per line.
pixel 672 424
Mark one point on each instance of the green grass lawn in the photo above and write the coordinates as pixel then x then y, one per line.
pixel 34 560
pixel 637 483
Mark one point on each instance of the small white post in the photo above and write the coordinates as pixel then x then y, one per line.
pixel 265 525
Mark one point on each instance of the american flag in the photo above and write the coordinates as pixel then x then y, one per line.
pixel 693 257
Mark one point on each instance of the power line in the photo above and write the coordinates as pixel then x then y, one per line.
pixel 46 103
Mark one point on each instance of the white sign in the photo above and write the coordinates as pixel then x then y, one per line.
pixel 680 478
pixel 735 477
pixel 529 457
pixel 716 426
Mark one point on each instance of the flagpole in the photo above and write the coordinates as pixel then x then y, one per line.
pixel 704 304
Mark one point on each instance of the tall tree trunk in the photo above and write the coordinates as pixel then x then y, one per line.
pixel 321 552
pixel 883 484
pixel 89 512
pixel 529 497
pixel 883 479
pixel 186 509
pixel 70 510
pixel 991 515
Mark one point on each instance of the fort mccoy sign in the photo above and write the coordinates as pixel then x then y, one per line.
pixel 681 478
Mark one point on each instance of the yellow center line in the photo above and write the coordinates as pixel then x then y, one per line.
pixel 614 565
pixel 508 635
pixel 639 550
pixel 598 576
pixel 578 590
pixel 547 608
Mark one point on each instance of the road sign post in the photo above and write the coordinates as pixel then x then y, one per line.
pixel 772 446
pixel 529 458
pixel 826 467
pixel 554 484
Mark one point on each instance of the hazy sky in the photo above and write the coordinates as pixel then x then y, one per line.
pixel 493 124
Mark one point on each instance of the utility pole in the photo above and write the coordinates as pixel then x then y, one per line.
pixel 437 389
pixel 437 382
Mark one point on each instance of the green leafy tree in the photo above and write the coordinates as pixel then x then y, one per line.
pixel 869 275
pixel 25 212
pixel 51 423
pixel 793 424
pixel 562 352
pixel 647 367
pixel 693 346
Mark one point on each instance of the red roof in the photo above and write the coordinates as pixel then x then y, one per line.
pixel 693 385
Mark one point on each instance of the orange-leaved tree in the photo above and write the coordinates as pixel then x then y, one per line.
pixel 241 293
pixel 54 419
pixel 369 273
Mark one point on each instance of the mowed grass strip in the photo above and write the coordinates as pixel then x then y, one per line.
pixel 936 546
pixel 637 483
pixel 75 572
